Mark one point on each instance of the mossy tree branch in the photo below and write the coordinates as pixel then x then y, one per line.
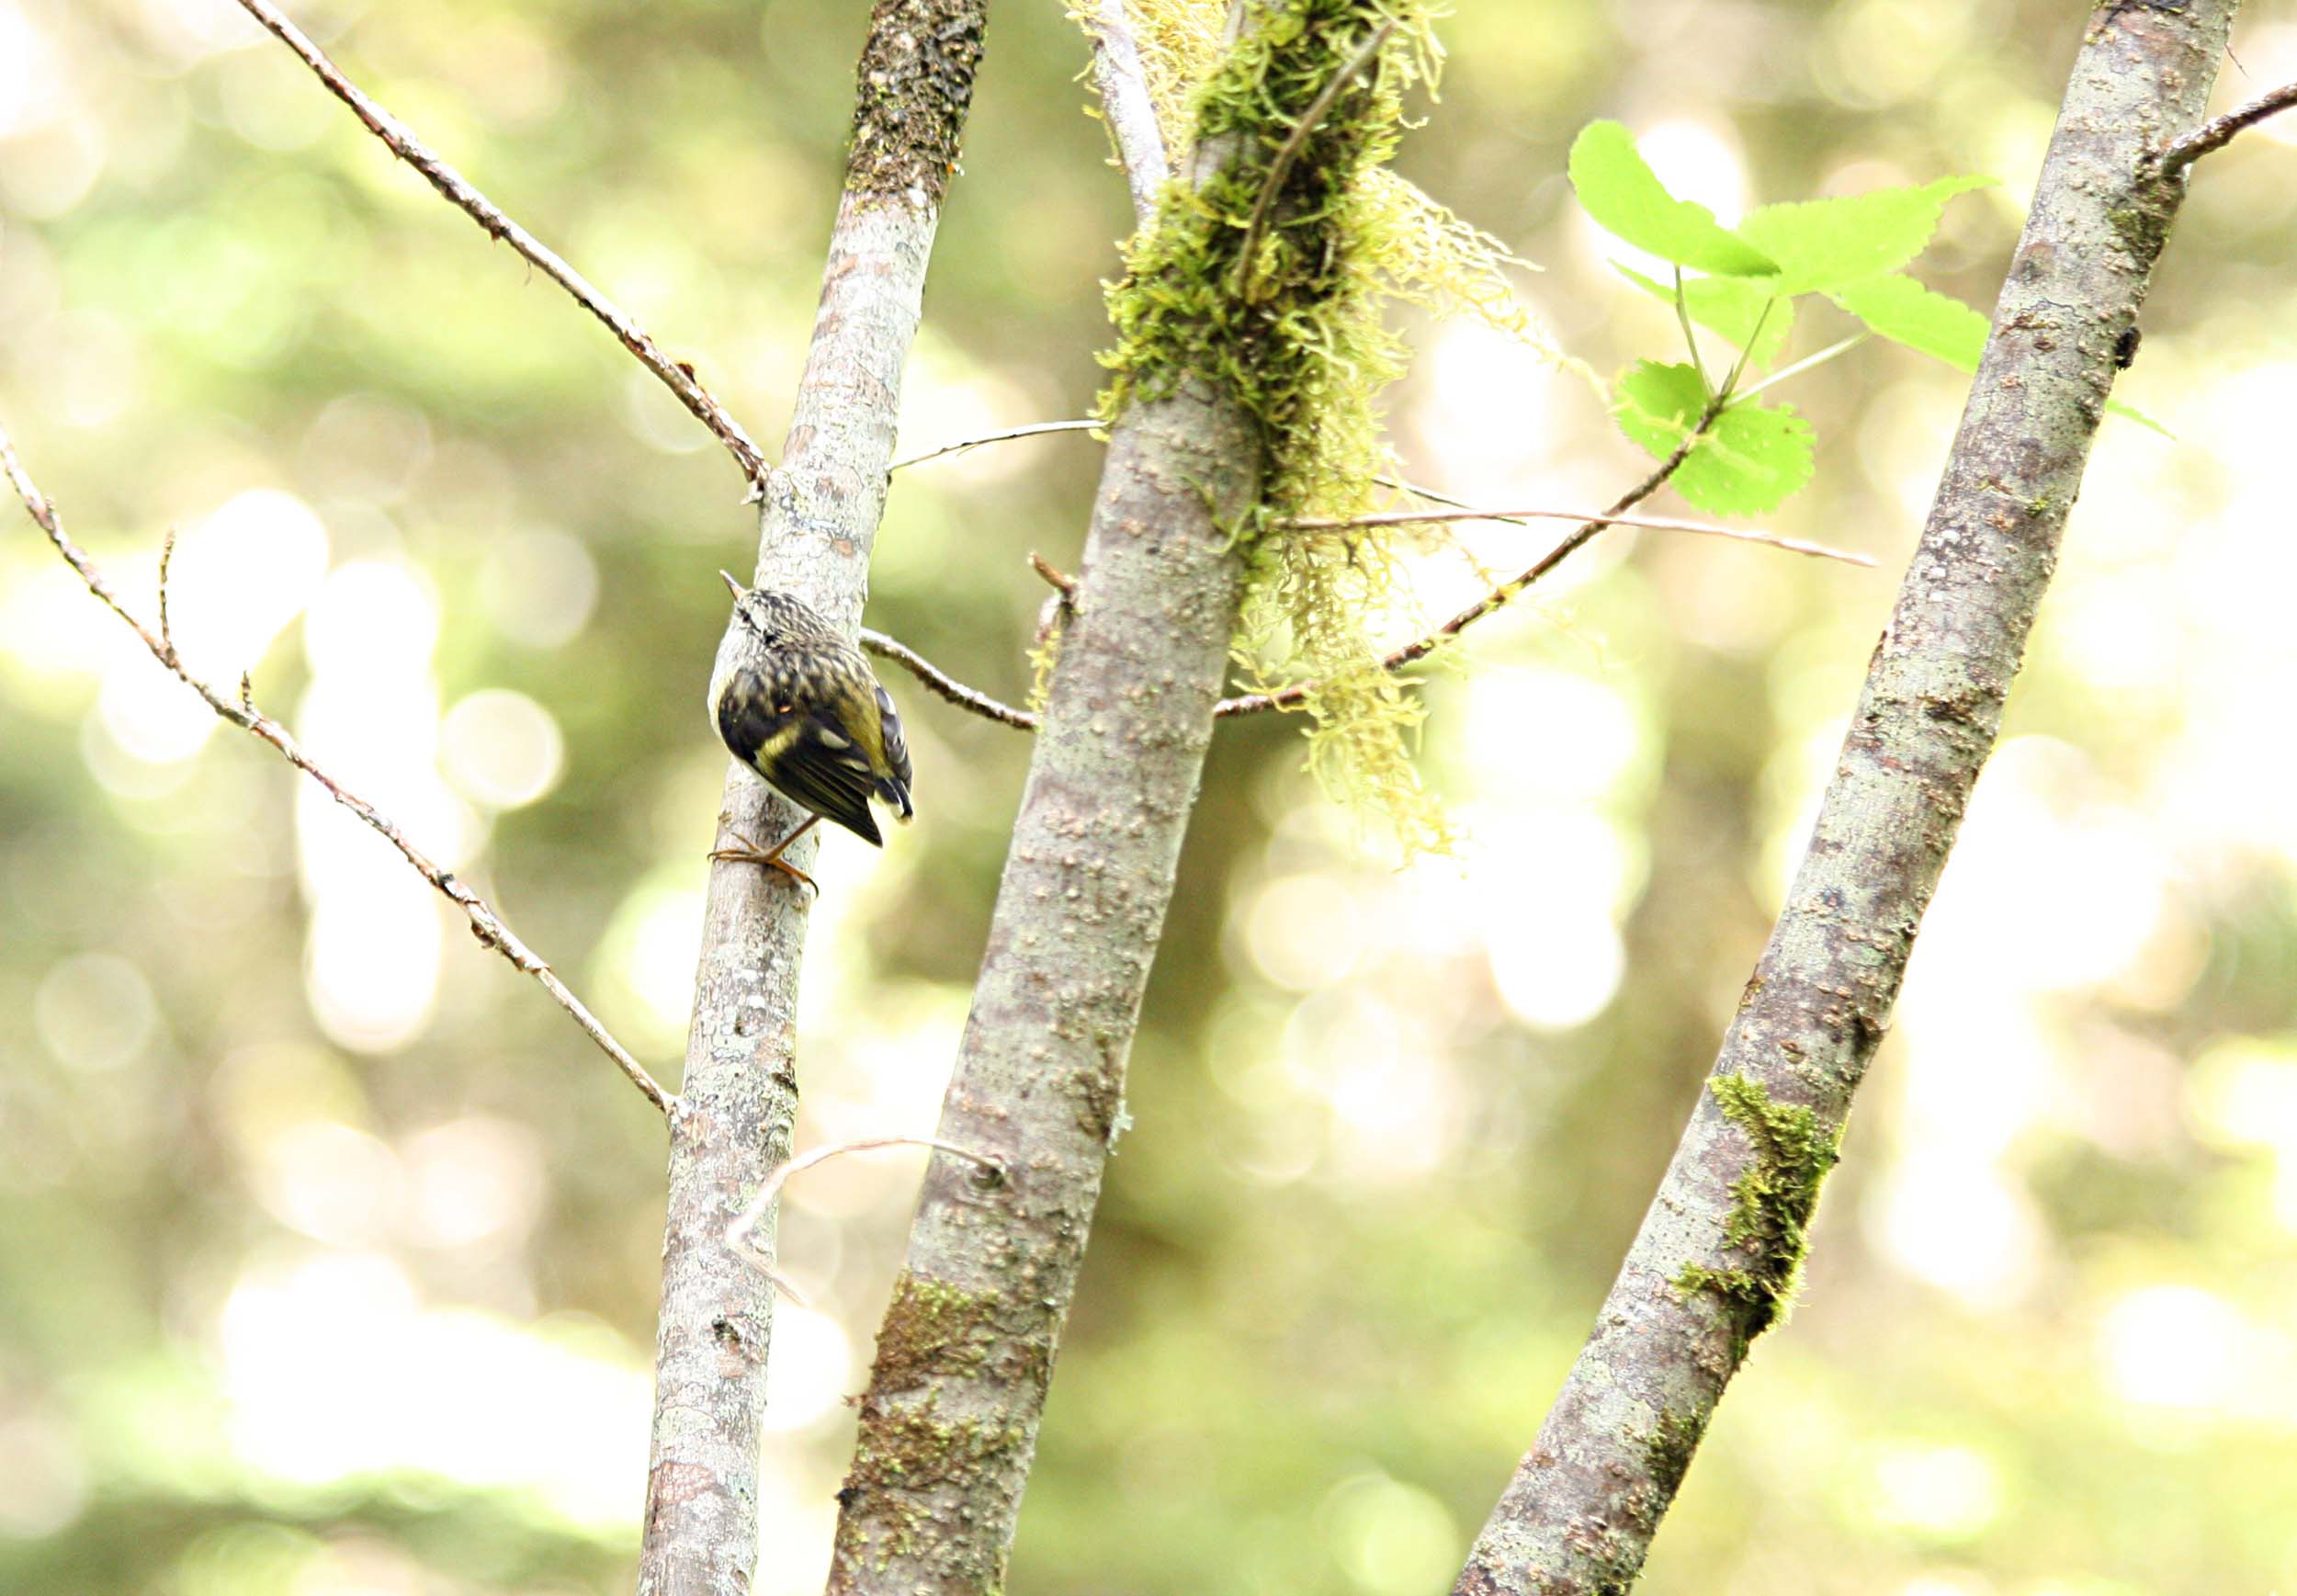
pixel 964 1357
pixel 1714 1261
pixel 819 522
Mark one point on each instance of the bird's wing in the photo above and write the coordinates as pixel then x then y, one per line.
pixel 807 759
pixel 821 767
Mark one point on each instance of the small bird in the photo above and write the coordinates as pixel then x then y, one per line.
pixel 798 705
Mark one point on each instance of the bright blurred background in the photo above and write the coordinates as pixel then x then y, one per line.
pixel 328 1248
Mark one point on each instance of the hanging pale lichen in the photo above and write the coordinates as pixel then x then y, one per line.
pixel 1270 280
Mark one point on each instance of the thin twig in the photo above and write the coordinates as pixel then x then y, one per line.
pixel 1841 347
pixel 1297 140
pixel 1653 523
pixel 1500 596
pixel 2215 135
pixel 1747 351
pixel 679 378
pixel 1082 423
pixel 167 627
pixel 1123 85
pixel 1060 606
pixel 1691 339
pixel 981 704
pixel 944 684
pixel 738 1233
pixel 485 924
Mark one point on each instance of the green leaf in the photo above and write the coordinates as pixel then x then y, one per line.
pixel 1622 192
pixel 1749 461
pixel 1904 311
pixel 1826 244
pixel 1731 306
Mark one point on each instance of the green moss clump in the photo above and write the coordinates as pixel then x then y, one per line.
pixel 1268 282
pixel 1772 1202
pixel 1292 332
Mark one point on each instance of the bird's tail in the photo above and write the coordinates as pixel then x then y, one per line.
pixel 895 794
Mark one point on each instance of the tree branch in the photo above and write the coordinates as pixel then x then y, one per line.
pixel 1122 85
pixel 2212 136
pixel 1506 593
pixel 674 375
pixel 981 704
pixel 1516 517
pixel 946 685
pixel 485 924
pixel 966 1354
pixel 1085 423
pixel 737 1234
pixel 1715 1262
pixel 913 90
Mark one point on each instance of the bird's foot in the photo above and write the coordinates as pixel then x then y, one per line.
pixel 751 854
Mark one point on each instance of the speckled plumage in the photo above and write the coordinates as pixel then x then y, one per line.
pixel 800 705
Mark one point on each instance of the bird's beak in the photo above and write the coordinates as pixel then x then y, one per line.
pixel 737 588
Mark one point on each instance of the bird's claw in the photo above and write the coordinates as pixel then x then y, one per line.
pixel 751 854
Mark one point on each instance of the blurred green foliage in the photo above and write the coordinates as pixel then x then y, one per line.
pixel 328 1253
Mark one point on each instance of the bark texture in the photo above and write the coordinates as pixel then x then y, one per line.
pixel 1715 1259
pixel 965 1357
pixel 740 1092
pixel 966 1354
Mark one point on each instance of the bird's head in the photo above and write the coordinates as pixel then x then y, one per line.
pixel 753 609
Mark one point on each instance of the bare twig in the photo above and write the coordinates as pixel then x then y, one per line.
pixel 2212 136
pixel 167 627
pixel 944 684
pixel 1122 85
pixel 1705 529
pixel 737 1234
pixel 1297 140
pixel 1054 577
pixel 1060 606
pixel 485 924
pixel 1501 595
pixel 1083 424
pixel 678 377
pixel 981 704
